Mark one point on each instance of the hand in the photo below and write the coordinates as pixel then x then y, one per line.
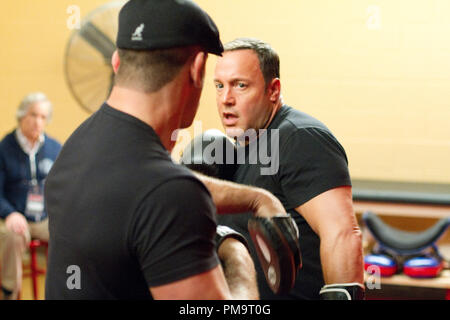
pixel 266 205
pixel 16 222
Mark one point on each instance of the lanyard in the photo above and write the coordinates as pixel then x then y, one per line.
pixel 33 168
pixel 31 151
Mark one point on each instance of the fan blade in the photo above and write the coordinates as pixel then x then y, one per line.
pixel 98 40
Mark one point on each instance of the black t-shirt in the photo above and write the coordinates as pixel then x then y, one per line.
pixel 123 216
pixel 297 159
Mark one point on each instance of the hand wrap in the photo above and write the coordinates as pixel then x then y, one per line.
pixel 342 291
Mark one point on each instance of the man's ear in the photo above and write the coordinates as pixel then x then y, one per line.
pixel 198 67
pixel 115 61
pixel 274 90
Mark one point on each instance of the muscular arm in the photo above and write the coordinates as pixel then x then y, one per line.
pixel 237 279
pixel 230 197
pixel 239 269
pixel 210 285
pixel 331 216
pixel 173 234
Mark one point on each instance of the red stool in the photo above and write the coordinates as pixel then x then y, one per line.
pixel 35 271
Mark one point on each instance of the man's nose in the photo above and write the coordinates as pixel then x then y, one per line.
pixel 228 97
pixel 40 121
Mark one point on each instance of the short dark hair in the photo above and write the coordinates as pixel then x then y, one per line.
pixel 150 70
pixel 269 61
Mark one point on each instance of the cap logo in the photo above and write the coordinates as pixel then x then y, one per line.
pixel 137 34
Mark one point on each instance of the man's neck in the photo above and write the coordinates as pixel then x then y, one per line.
pixel 154 109
pixel 276 107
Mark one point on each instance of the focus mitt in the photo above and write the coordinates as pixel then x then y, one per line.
pixel 278 250
pixel 211 153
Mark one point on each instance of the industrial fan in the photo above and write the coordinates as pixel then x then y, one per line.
pixel 87 62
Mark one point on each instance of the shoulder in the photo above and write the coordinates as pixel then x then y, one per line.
pixel 8 138
pixel 184 188
pixel 175 199
pixel 177 187
pixel 155 175
pixel 178 180
pixel 304 136
pixel 50 149
pixel 299 127
pixel 292 120
pixel 8 142
pixel 52 142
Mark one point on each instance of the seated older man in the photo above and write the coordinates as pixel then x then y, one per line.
pixel 26 156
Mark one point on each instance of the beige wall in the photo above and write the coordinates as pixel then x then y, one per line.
pixel 377 73
pixel 33 36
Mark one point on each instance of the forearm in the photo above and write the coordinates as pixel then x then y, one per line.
pixel 342 257
pixel 239 270
pixel 230 197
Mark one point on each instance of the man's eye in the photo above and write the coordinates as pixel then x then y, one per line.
pixel 219 86
pixel 241 85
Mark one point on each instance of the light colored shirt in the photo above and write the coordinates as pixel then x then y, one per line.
pixel 31 150
pixel 25 144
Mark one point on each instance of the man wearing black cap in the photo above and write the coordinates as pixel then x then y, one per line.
pixel 125 221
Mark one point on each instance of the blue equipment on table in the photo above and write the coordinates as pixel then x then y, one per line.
pixel 413 253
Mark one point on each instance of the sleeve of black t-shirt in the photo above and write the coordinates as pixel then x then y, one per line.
pixel 311 162
pixel 173 236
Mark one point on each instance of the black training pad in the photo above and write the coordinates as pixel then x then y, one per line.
pixel 282 263
pixel 404 241
pixel 288 230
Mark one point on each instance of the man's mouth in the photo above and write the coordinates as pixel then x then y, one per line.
pixel 229 119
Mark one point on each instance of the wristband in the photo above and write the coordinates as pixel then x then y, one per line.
pixel 224 232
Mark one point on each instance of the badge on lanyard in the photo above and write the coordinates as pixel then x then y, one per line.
pixel 35 202
pixel 35 198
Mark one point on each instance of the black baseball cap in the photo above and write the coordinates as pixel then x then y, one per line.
pixel 163 24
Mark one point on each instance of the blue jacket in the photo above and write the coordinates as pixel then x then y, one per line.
pixel 15 172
